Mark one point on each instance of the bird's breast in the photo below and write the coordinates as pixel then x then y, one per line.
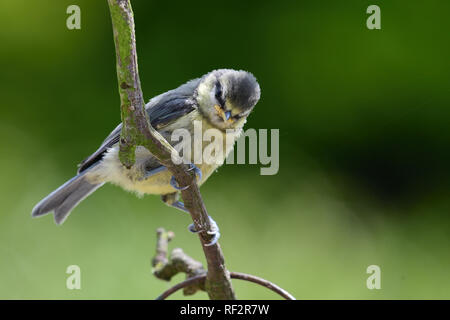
pixel 213 144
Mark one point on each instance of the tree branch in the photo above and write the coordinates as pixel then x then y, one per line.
pixel 197 280
pixel 137 131
pixel 180 262
pixel 264 283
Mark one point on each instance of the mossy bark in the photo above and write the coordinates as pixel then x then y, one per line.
pixel 137 131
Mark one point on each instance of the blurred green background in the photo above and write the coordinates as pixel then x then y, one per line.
pixel 364 146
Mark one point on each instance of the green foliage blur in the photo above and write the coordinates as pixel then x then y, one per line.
pixel 364 146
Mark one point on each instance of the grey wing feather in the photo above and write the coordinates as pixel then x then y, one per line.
pixel 162 110
pixel 110 141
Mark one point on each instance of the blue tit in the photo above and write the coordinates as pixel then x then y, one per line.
pixel 221 100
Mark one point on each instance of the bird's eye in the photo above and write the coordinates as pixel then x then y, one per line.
pixel 219 94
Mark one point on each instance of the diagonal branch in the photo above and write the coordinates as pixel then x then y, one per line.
pixel 137 131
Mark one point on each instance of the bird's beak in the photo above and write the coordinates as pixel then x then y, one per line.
pixel 225 115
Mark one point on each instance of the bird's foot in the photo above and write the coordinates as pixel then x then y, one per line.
pixel 197 171
pixel 172 200
pixel 214 231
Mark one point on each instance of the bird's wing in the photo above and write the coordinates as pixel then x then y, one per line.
pixel 162 110
pixel 110 141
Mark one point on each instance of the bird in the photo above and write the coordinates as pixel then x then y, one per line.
pixel 220 100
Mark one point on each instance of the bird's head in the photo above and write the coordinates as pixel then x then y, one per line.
pixel 226 97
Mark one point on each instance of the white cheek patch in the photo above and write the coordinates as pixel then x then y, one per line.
pixel 205 94
pixel 212 97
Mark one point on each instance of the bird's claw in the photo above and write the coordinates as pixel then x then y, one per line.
pixel 214 231
pixel 174 184
pixel 191 228
pixel 197 171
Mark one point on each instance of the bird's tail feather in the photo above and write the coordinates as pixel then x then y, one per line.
pixel 65 198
